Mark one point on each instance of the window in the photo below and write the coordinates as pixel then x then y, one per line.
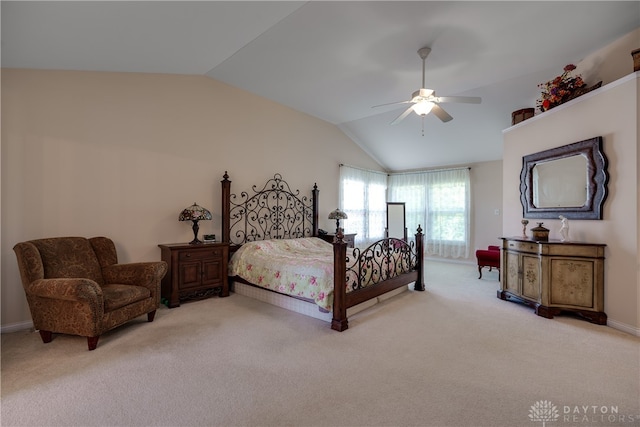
pixel 363 199
pixel 437 201
pixel 446 212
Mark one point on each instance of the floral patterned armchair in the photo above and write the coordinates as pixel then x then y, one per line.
pixel 75 286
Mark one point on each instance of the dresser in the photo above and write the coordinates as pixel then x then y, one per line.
pixel 195 271
pixel 554 277
pixel 349 239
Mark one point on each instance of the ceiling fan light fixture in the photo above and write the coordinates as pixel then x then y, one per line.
pixel 424 101
pixel 422 108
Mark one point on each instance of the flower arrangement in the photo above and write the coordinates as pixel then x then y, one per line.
pixel 561 89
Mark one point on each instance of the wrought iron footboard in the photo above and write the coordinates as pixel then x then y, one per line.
pixel 380 261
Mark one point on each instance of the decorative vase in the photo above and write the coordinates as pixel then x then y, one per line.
pixel 524 223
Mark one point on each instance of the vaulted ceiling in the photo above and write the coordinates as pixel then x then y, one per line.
pixel 335 60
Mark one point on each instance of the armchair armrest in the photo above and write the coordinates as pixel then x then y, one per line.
pixel 66 289
pixel 147 274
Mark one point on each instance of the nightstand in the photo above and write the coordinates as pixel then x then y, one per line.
pixel 348 238
pixel 195 271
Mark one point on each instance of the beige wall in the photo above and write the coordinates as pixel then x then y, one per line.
pixel 486 195
pixel 121 154
pixel 610 112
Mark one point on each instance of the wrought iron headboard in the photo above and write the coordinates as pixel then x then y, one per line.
pixel 273 212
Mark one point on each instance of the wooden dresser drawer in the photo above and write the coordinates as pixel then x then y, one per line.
pixel 570 250
pixel 531 247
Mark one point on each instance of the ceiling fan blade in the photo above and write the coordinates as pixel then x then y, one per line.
pixel 392 103
pixel 462 99
pixel 403 115
pixel 441 114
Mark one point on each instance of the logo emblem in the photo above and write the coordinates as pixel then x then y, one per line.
pixel 543 410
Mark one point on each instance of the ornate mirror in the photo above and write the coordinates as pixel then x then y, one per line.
pixel 570 180
pixel 396 221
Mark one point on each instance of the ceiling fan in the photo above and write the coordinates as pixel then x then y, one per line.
pixel 424 101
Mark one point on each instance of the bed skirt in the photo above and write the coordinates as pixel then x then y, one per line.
pixel 307 308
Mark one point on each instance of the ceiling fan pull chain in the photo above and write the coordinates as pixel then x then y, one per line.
pixel 422 117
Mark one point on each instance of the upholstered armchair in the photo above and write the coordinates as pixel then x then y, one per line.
pixel 75 286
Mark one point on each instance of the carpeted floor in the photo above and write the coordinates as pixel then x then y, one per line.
pixel 454 355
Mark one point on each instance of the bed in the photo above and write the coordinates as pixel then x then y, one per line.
pixel 272 231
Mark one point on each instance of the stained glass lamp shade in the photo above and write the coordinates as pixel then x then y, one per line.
pixel 338 215
pixel 195 213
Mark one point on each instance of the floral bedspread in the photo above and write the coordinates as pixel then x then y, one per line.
pixel 299 267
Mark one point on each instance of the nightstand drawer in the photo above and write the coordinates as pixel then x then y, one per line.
pixel 200 254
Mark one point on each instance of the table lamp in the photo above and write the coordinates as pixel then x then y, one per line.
pixel 195 213
pixel 338 215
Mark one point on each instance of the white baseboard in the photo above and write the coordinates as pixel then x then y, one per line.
pixel 464 261
pixel 15 327
pixel 623 327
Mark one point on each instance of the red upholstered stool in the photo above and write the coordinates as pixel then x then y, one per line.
pixel 489 257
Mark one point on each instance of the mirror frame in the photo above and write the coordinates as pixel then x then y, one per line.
pixel 597 179
pixel 404 220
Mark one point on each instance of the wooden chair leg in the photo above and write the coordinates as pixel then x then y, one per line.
pixel 480 271
pixel 92 342
pixel 151 316
pixel 46 336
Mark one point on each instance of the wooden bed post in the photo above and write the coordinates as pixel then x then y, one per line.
pixel 315 226
pixel 419 284
pixel 226 194
pixel 339 321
